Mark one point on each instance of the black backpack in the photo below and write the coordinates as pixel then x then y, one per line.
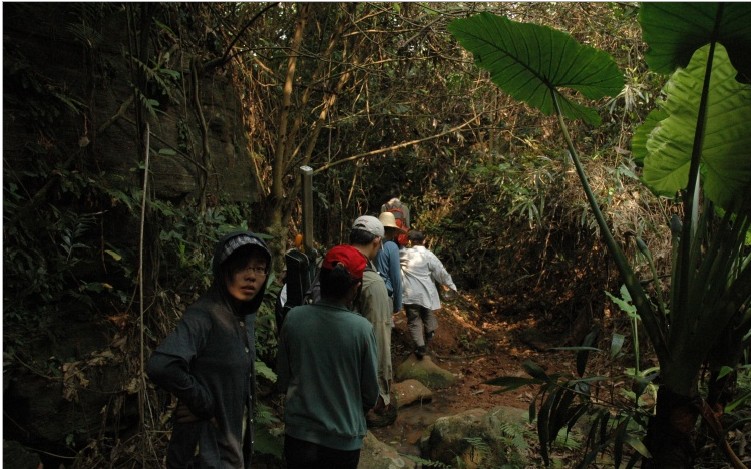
pixel 303 286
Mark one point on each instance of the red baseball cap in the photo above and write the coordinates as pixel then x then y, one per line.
pixel 348 256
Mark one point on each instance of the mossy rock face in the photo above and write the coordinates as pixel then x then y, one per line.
pixel 478 438
pixel 378 455
pixel 448 439
pixel 426 372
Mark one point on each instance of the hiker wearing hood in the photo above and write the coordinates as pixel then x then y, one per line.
pixel 208 361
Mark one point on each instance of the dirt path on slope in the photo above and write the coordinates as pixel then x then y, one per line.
pixel 475 350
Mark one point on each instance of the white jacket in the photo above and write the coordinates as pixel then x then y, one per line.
pixel 421 269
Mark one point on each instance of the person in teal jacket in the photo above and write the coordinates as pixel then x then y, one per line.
pixel 327 368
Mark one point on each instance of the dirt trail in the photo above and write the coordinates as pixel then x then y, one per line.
pixel 475 351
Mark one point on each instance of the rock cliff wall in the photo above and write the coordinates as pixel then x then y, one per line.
pixel 69 97
pixel 50 44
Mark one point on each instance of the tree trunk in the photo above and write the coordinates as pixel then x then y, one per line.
pixel 284 144
pixel 670 432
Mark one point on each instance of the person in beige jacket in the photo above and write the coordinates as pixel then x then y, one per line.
pixel 374 304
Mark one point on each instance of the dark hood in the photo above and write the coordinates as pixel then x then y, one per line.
pixel 228 244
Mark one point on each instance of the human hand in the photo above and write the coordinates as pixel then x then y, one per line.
pixel 184 415
pixel 379 405
pixel 448 294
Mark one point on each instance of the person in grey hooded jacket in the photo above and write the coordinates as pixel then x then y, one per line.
pixel 208 361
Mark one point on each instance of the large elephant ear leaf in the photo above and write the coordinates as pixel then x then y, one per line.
pixel 531 62
pixel 674 30
pixel 726 151
pixel 642 133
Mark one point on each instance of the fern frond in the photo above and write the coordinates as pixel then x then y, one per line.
pixel 85 34
pixel 426 462
pixel 150 105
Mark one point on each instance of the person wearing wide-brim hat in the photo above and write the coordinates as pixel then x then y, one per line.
pixel 387 261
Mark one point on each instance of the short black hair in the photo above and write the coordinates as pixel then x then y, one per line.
pixel 360 237
pixel 336 282
pixel 415 235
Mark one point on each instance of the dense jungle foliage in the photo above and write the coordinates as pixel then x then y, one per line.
pixel 378 98
pixel 693 144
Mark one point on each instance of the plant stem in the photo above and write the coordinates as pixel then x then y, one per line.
pixel 638 295
pixel 142 388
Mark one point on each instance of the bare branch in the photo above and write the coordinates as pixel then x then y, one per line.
pixel 393 147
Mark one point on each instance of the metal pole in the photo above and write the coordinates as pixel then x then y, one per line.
pixel 307 208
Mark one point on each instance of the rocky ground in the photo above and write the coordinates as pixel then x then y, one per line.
pixel 475 350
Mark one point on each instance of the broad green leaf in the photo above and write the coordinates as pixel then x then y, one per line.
pixel 580 348
pixel 637 445
pixel 616 345
pixel 530 62
pixel 674 30
pixel 532 410
pixel 576 413
pixel 583 355
pixel 544 422
pixel 724 371
pixel 726 152
pixel 739 401
pixel 589 379
pixel 560 412
pixel 620 434
pixel 640 385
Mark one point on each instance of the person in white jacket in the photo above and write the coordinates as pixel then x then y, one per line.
pixel 421 270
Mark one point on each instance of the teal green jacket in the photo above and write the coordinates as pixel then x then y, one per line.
pixel 326 365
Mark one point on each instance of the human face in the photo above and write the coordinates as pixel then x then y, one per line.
pixel 245 284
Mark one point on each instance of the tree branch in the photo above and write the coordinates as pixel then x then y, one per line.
pixel 393 147
pixel 220 61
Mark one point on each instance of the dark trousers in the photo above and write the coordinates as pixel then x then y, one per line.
pixel 305 455
pixel 421 322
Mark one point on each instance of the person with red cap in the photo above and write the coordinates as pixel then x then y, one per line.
pixel 327 368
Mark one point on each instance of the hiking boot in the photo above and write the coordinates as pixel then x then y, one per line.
pixel 420 352
pixel 429 336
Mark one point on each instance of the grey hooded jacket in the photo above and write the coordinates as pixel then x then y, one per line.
pixel 208 363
